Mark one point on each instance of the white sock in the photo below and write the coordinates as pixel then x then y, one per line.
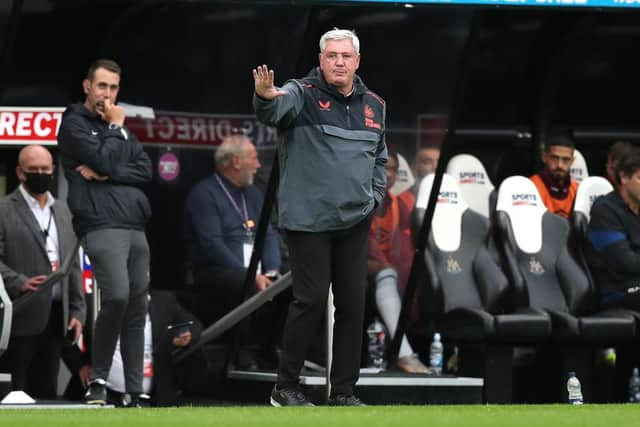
pixel 389 304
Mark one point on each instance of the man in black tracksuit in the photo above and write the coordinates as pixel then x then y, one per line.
pixel 332 158
pixel 613 251
pixel 105 166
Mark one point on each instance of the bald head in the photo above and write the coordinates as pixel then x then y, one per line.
pixel 34 154
pixel 35 169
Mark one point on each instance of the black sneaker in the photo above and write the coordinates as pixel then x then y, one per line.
pixel 135 400
pixel 289 397
pixel 345 400
pixel 97 392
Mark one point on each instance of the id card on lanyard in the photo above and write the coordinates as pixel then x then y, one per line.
pixel 247 224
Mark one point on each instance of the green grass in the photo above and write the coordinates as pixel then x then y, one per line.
pixel 372 416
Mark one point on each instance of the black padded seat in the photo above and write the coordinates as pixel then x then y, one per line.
pixel 548 275
pixel 466 294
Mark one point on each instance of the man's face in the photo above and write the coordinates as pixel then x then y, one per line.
pixel 339 63
pixel 426 162
pixel 34 160
pixel 631 185
pixel 248 164
pixel 392 172
pixel 105 85
pixel 558 160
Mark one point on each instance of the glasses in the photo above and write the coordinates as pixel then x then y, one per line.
pixel 333 56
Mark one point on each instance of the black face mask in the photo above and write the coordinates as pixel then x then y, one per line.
pixel 38 183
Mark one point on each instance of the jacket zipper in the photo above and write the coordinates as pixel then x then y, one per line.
pixel 348 117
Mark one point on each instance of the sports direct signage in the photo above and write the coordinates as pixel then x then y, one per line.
pixel 40 125
pixel 30 125
pixel 199 130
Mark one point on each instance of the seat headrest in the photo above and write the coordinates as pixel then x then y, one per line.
pixel 518 197
pixel 404 177
pixel 473 181
pixel 578 169
pixel 446 226
pixel 589 190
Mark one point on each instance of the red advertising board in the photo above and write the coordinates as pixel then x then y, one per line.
pixel 29 125
pixel 40 125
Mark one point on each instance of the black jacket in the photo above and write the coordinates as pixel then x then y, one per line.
pixel 118 202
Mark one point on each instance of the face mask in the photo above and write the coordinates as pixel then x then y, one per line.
pixel 38 183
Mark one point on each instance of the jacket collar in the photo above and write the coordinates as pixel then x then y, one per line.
pixel 316 78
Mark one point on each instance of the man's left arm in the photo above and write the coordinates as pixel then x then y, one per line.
pixel 379 184
pixel 137 170
pixel 271 259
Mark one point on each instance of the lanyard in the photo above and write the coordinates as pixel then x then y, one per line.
pixel 45 231
pixel 244 214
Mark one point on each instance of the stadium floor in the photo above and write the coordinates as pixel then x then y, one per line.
pixel 372 416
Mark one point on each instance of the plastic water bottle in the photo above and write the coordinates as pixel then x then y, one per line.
pixel 634 387
pixel 435 355
pixel 377 345
pixel 574 389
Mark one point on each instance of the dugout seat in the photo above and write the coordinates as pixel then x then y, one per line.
pixel 404 177
pixel 627 354
pixel 466 295
pixel 474 182
pixel 545 274
pixel 579 170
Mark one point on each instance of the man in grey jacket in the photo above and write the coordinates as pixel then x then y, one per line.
pixel 106 167
pixel 332 157
pixel 35 237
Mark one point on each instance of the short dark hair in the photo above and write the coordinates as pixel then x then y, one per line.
pixel 629 164
pixel 561 139
pixel 107 64
pixel 618 151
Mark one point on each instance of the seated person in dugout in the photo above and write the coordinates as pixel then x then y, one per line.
pixel 168 327
pixel 389 263
pixel 556 187
pixel 613 249
pixel 222 213
pixel 425 162
pixel 615 153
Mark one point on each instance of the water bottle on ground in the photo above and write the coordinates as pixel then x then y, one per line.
pixel 634 387
pixel 435 355
pixel 377 345
pixel 574 389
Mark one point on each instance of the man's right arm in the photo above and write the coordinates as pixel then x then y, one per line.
pixel 102 153
pixel 280 111
pixel 610 241
pixel 13 281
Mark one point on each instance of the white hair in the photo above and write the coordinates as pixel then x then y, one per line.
pixel 338 34
pixel 232 146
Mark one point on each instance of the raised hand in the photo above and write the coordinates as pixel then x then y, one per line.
pixel 263 78
pixel 112 113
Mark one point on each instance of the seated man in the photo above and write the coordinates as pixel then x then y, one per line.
pixel 168 327
pixel 615 153
pixel 390 255
pixel 555 185
pixel 425 162
pixel 613 252
pixel 222 213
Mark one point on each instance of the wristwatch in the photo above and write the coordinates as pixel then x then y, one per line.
pixel 114 126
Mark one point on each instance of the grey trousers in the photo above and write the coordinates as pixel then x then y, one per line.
pixel 120 263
